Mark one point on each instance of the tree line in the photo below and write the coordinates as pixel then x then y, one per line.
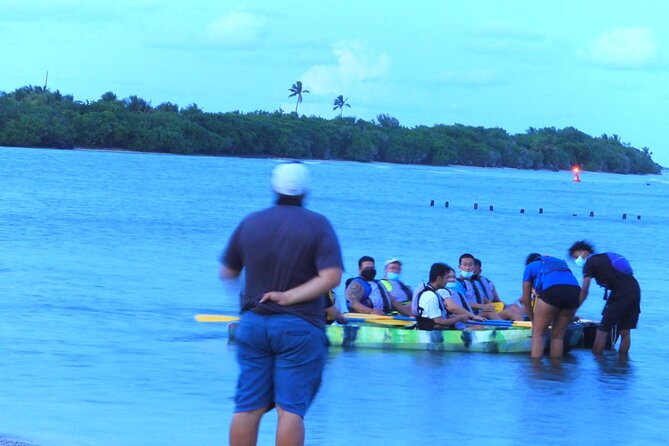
pixel 38 117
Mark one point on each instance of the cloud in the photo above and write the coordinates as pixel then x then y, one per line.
pixel 355 64
pixel 624 48
pixel 235 30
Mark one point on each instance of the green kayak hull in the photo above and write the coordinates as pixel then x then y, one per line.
pixel 489 340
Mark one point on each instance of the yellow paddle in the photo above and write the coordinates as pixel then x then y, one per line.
pixel 373 319
pixel 215 318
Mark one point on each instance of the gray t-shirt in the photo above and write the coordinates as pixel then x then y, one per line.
pixel 280 248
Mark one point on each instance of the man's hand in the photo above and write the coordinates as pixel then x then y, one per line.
pixel 279 297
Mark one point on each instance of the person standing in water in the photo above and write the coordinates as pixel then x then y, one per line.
pixel 623 305
pixel 557 298
pixel 292 259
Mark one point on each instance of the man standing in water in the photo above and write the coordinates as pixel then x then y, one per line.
pixel 291 257
pixel 614 273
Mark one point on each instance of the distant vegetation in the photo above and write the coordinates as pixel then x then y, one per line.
pixel 37 117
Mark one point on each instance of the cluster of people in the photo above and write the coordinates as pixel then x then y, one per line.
pixel 551 294
pixel 292 261
pixel 467 295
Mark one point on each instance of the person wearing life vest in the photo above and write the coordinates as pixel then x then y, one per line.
pixel 364 294
pixel 454 301
pixel 485 288
pixel 332 313
pixel 400 291
pixel 474 297
pixel 623 305
pixel 557 298
pixel 429 309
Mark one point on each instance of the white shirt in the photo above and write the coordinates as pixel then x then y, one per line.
pixel 429 302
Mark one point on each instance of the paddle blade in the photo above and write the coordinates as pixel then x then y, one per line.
pixel 365 316
pixel 524 324
pixel 389 322
pixel 215 318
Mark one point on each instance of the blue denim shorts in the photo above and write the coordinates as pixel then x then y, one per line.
pixel 281 359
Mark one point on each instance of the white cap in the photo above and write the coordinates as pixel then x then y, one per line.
pixel 393 260
pixel 290 178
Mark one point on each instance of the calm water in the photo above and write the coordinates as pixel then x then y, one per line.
pixel 105 258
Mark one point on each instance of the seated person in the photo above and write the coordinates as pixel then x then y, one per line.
pixel 332 313
pixel 472 294
pixel 395 287
pixel 454 300
pixel 428 306
pixel 366 295
pixel 485 288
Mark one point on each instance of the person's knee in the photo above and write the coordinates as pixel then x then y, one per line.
pixel 286 413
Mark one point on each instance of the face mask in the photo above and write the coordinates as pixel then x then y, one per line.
pixel 393 276
pixel 579 261
pixel 451 284
pixel 466 274
pixel 368 274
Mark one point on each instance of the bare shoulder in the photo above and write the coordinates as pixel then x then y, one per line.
pixel 354 291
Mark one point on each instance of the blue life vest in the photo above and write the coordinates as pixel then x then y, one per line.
pixel 366 300
pixel 620 263
pixel 548 265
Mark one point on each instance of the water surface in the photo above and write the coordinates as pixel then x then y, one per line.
pixel 107 256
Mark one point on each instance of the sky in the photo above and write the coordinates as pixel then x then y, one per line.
pixel 601 66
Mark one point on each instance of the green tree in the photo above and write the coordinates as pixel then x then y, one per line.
pixel 340 103
pixel 296 90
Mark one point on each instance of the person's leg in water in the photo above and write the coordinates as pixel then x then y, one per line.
pixel 565 316
pixel 544 313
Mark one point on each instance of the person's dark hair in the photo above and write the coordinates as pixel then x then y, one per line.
pixel 532 258
pixel 466 256
pixel 477 262
pixel 581 245
pixel 289 200
pixel 438 270
pixel 365 259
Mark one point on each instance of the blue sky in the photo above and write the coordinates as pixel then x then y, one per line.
pixel 599 66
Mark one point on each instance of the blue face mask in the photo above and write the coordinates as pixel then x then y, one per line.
pixel 393 276
pixel 451 284
pixel 579 261
pixel 466 274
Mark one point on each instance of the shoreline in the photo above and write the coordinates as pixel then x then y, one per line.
pixel 118 150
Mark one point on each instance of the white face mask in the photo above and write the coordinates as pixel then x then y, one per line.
pixel 451 284
pixel 466 274
pixel 579 261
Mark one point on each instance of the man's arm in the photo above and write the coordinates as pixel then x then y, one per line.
pixel 228 273
pixel 354 293
pixel 483 307
pixel 454 308
pixel 584 290
pixel 526 299
pixel 450 321
pixel 400 308
pixel 326 280
pixel 334 313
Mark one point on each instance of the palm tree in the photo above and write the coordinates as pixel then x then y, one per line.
pixel 340 103
pixel 296 90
